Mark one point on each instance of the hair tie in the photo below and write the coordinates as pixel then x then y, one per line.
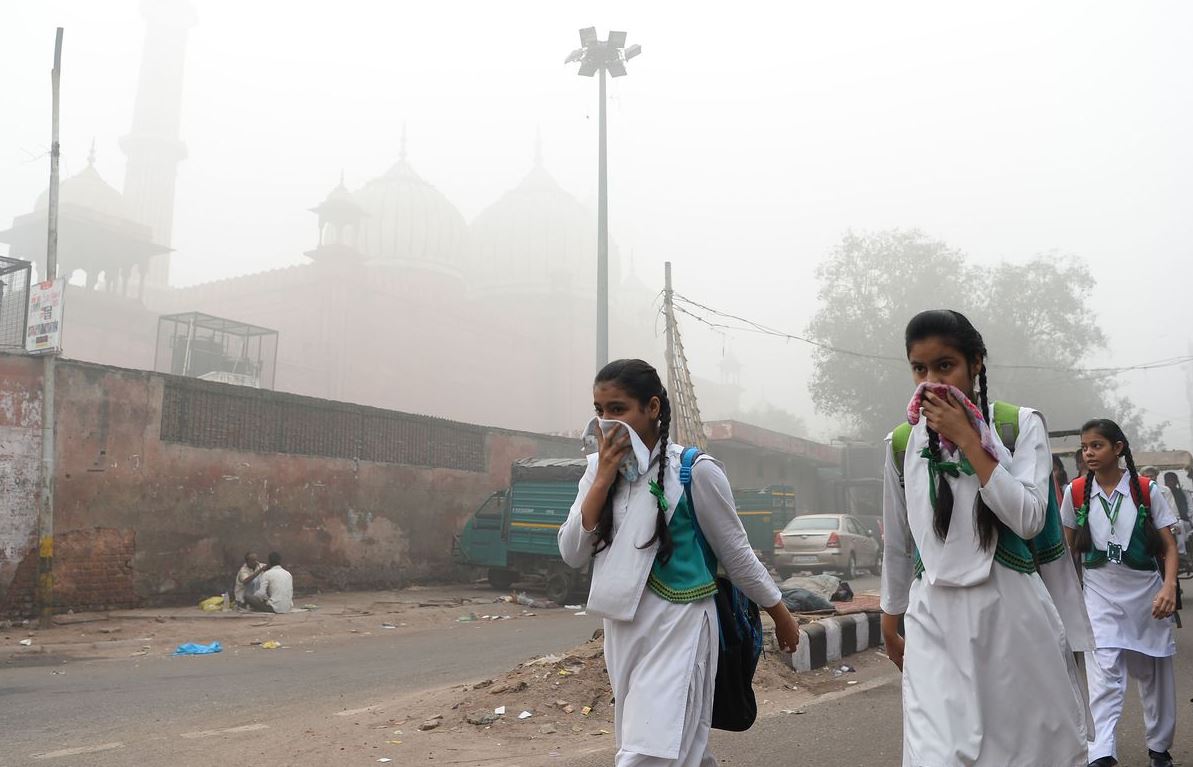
pixel 657 491
pixel 1081 515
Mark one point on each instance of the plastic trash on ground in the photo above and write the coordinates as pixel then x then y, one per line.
pixel 270 645
pixel 191 648
pixel 526 600
pixel 212 604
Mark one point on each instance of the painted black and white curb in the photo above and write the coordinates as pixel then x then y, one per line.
pixel 831 639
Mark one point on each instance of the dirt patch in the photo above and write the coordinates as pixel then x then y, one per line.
pixel 459 725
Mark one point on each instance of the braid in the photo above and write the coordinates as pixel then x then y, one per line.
pixel 942 515
pixel 988 523
pixel 604 526
pixel 983 392
pixel 1152 535
pixel 661 533
pixel 1083 541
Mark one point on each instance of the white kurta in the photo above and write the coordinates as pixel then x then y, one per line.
pixel 1129 641
pixel 1119 599
pixel 662 660
pixel 988 677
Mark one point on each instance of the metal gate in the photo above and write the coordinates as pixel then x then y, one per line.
pixel 14 302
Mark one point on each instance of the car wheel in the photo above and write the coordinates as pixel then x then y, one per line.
pixel 851 568
pixel 878 563
pixel 784 573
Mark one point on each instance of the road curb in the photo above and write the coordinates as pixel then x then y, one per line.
pixel 831 639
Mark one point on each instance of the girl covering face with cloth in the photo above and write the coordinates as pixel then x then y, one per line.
pixel 1119 524
pixel 650 577
pixel 975 566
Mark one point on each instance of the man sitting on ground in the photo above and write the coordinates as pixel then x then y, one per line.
pixel 247 578
pixel 275 593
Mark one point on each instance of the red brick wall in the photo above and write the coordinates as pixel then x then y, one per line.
pixel 92 572
pixel 179 500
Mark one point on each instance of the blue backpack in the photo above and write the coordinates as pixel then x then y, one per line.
pixel 734 705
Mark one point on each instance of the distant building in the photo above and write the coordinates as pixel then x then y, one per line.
pixel 402 305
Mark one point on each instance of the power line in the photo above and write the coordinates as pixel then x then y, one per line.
pixel 750 326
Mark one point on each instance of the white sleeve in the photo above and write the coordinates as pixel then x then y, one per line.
pixel 1068 517
pixel 897 546
pixel 716 512
pixel 575 543
pixel 1018 496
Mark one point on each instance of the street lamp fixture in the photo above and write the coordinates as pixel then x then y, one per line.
pixel 596 55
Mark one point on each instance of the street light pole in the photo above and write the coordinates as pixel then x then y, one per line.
pixel 603 56
pixel 602 312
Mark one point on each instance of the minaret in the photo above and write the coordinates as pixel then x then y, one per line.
pixel 153 145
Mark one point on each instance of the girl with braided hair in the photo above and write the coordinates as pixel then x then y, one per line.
pixel 651 580
pixel 1119 525
pixel 976 571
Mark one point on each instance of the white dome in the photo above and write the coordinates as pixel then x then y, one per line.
pixel 87 190
pixel 536 238
pixel 408 220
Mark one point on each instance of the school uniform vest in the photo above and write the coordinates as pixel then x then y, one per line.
pixel 690 574
pixel 1135 555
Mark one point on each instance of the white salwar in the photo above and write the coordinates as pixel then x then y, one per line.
pixel 989 678
pixel 662 656
pixel 1130 642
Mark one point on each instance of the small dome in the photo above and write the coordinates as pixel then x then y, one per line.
pixel 87 189
pixel 408 220
pixel 536 238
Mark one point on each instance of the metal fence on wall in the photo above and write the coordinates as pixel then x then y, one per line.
pixel 209 415
pixel 15 276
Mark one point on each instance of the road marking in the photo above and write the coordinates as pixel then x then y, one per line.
pixel 229 730
pixel 79 750
pixel 355 711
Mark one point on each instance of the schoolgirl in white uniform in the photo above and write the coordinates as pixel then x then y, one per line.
pixel 650 582
pixel 989 678
pixel 1120 528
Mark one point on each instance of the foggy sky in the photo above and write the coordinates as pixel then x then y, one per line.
pixel 742 145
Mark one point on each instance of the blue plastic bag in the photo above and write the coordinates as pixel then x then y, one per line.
pixel 190 648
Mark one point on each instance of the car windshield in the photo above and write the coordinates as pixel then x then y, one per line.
pixel 813 523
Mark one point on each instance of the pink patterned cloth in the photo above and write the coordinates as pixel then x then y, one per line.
pixel 942 391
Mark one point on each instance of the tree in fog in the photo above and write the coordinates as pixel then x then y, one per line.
pixel 1033 317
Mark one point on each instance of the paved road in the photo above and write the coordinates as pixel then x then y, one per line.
pixel 862 726
pixel 149 704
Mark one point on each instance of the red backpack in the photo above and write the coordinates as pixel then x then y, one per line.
pixel 1077 491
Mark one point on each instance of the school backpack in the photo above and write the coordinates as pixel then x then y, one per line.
pixel 1012 551
pixel 734 706
pixel 1077 491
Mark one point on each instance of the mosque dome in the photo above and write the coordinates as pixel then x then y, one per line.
pixel 537 238
pixel 407 220
pixel 87 191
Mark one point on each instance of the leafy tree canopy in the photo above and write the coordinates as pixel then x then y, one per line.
pixel 1031 315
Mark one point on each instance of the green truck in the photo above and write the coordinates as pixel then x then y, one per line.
pixel 513 533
